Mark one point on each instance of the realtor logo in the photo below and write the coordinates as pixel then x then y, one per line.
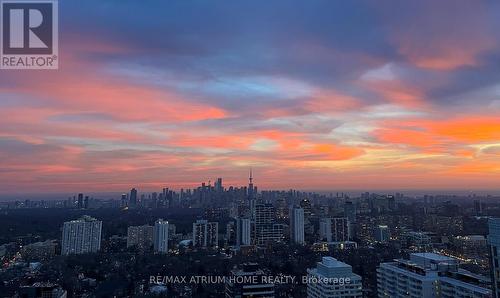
pixel 29 34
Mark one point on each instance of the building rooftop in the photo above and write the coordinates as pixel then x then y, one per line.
pixel 332 262
pixel 434 257
pixel 84 218
pixel 330 267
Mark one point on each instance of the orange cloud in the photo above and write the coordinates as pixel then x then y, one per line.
pixel 424 133
pixel 409 137
pixel 478 167
pixel 25 123
pixel 82 86
pixel 468 129
pixel 122 100
pixel 335 152
pixel 209 141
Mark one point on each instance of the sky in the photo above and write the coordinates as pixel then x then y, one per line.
pixel 316 95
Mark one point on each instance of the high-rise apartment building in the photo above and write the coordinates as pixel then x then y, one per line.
pixel 133 197
pixel 205 234
pixel 80 201
pixel 266 229
pixel 350 211
pixel 81 236
pixel 297 225
pixel 340 229
pixel 160 236
pixel 325 229
pixel 334 229
pixel 243 231
pixel 218 185
pixel 307 206
pixel 140 237
pixel 478 207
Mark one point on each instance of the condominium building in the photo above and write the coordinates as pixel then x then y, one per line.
pixel 333 279
pixel 243 231
pixel 160 236
pixel 81 236
pixel 140 237
pixel 297 225
pixel 205 234
pixel 334 229
pixel 267 231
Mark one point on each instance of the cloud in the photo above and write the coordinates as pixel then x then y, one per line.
pixel 318 94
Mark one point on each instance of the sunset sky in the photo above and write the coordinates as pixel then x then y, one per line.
pixel 316 95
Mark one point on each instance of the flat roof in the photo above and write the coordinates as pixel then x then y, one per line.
pixel 433 256
pixel 331 262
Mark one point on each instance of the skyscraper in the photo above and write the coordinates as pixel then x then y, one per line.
pixel 140 237
pixel 325 229
pixel 205 234
pixel 391 202
pixel 334 229
pixel 218 185
pixel 81 236
pixel 340 229
pixel 297 225
pixel 350 211
pixel 231 232
pixel 86 202
pixel 80 201
pixel 243 231
pixel 133 197
pixel 124 200
pixel 333 279
pixel 478 207
pixel 306 205
pixel 494 242
pixel 160 236
pixel 266 229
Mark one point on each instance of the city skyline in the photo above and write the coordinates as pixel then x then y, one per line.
pixel 316 96
pixel 367 246
pixel 213 183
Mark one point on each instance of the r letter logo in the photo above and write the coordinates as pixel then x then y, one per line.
pixel 29 34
